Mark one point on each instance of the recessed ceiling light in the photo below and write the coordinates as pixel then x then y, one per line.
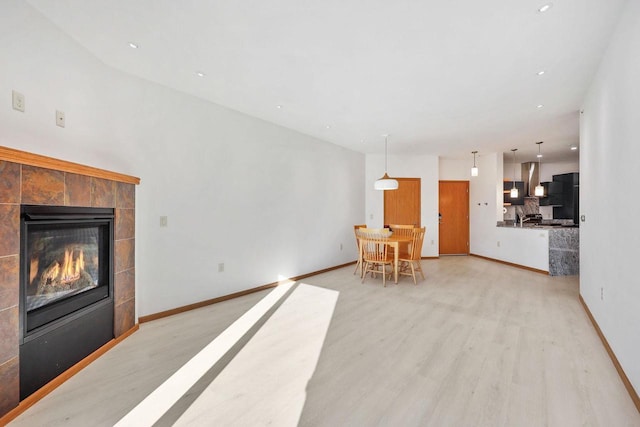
pixel 574 148
pixel 540 106
pixel 545 8
pixel 133 45
pixel 328 127
pixel 200 74
pixel 279 107
pixel 541 72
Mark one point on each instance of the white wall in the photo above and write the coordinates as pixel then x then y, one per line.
pixel 455 169
pixel 609 153
pixel 483 197
pixel 423 167
pixel 264 200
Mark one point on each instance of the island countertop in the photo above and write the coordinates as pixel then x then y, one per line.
pixel 544 225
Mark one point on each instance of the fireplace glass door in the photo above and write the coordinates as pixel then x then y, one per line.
pixel 62 263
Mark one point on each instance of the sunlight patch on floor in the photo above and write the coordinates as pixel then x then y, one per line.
pixel 265 384
pixel 152 408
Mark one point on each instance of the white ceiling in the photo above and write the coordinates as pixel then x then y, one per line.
pixel 442 77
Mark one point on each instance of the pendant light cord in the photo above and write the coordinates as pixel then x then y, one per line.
pixel 385 153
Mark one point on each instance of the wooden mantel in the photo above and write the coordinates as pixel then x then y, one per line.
pixel 17 156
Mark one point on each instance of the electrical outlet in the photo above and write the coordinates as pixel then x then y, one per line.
pixel 60 118
pixel 340 246
pixel 163 221
pixel 371 216
pixel 432 242
pixel 221 267
pixel 498 243
pixel 602 294
pixel 18 101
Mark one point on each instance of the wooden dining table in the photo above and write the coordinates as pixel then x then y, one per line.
pixel 392 241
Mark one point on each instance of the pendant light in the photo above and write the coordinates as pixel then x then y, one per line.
pixel 514 190
pixel 474 169
pixel 385 183
pixel 539 191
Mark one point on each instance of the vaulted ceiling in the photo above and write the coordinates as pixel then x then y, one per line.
pixel 441 77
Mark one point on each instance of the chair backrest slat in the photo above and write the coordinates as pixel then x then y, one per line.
pixel 355 231
pixel 417 238
pixel 401 229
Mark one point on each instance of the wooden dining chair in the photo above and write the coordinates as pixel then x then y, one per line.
pixel 375 254
pixel 410 261
pixel 355 232
pixel 402 230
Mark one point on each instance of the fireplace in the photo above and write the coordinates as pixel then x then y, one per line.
pixel 31 179
pixel 66 289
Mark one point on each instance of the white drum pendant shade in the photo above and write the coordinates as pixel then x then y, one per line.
pixel 386 183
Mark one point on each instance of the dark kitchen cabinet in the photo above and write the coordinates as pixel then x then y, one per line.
pixel 553 194
pixel 570 196
pixel 507 200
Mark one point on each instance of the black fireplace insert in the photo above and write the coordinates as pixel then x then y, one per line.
pixel 66 288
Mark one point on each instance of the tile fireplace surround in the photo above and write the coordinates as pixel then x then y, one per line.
pixel 37 180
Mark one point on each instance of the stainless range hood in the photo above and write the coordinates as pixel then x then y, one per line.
pixel 530 176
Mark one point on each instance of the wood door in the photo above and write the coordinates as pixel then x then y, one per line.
pixel 454 220
pixel 402 206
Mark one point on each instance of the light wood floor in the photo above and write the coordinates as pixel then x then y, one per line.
pixel 475 344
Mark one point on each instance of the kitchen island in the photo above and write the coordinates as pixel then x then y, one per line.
pixel 563 248
pixel 564 251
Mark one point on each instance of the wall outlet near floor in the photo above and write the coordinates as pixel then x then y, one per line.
pixel 221 267
pixel 432 242
pixel 163 221
pixel 602 294
pixel 17 101
pixel 370 216
pixel 498 243
pixel 340 246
